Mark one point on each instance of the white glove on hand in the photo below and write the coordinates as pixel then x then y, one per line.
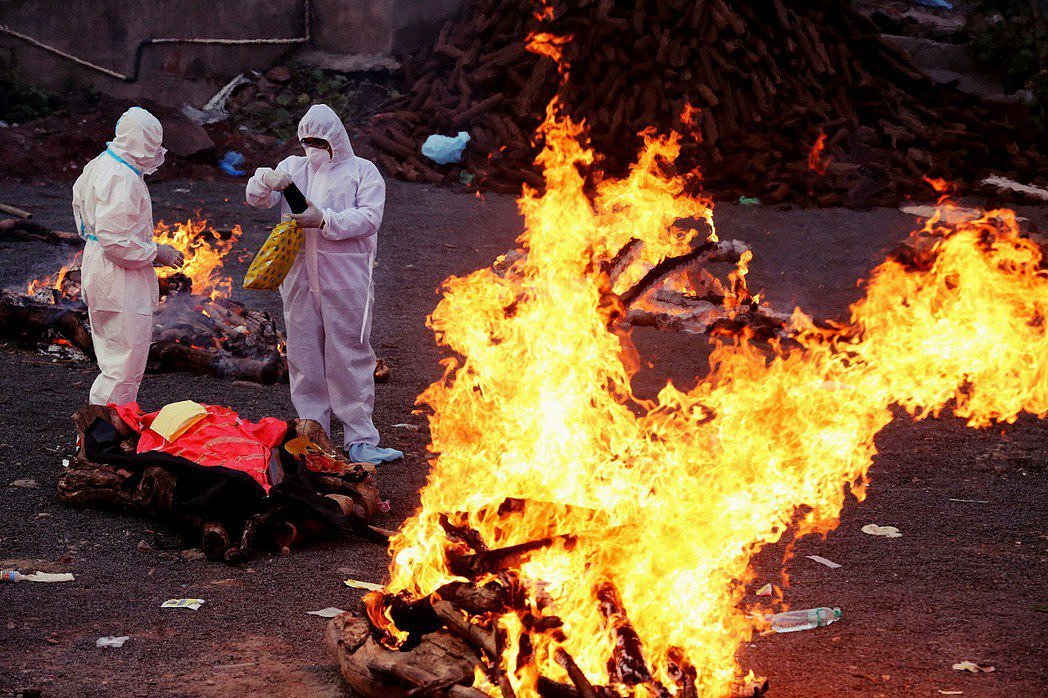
pixel 168 256
pixel 277 181
pixel 312 217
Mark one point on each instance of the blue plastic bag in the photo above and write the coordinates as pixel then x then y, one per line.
pixel 232 164
pixel 938 4
pixel 443 149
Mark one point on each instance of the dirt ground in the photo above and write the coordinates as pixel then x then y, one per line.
pixel 965 582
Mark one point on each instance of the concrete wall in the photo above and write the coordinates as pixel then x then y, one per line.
pixel 108 32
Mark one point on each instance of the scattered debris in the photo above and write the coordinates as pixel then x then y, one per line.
pixel 49 577
pixel 111 641
pixel 974 668
pixel 329 612
pixel 951 693
pixel 823 561
pixel 183 603
pixel 367 586
pixel 970 501
pixel 886 531
pixel 193 554
pixel 948 214
pixel 749 201
pixel 765 590
pixel 413 427
pixel 793 621
pixel 444 149
pixel 1011 185
pixel 232 163
pixel 25 484
pixel 215 109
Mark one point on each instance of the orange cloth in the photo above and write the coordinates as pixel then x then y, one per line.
pixel 220 438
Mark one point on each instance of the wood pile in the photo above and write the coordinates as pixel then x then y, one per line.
pixel 153 492
pixel 768 79
pixel 455 630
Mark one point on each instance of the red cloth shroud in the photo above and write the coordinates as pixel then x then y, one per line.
pixel 219 438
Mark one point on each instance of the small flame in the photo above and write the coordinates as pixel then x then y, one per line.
pixel 818 161
pixel 205 251
pixel 546 44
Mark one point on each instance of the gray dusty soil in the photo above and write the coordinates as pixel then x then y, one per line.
pixel 961 584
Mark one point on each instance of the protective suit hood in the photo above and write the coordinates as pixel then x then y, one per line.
pixel 138 138
pixel 321 121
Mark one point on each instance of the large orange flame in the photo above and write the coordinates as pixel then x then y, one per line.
pixel 205 250
pixel 668 500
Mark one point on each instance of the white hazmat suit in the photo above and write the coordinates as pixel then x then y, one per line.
pixel 329 293
pixel 114 214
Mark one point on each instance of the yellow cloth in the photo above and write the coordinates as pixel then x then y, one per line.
pixel 274 260
pixel 175 419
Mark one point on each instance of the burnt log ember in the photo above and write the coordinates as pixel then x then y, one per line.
pixel 627 665
pixel 22 228
pixel 300 507
pixel 442 664
pixel 233 342
pixel 492 561
pixel 767 79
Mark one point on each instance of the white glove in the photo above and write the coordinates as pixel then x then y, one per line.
pixel 168 256
pixel 277 181
pixel 312 217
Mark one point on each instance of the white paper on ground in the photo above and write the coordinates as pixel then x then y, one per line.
pixel 183 603
pixel 50 577
pixel 886 531
pixel 823 561
pixel 111 641
pixel 329 612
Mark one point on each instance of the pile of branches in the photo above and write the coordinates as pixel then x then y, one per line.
pixel 770 80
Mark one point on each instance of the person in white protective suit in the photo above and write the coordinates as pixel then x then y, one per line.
pixel 329 294
pixel 114 215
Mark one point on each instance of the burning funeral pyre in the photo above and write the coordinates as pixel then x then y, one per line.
pixel 574 539
pixel 197 327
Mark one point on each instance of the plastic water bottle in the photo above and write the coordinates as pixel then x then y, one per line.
pixel 792 621
pixel 11 576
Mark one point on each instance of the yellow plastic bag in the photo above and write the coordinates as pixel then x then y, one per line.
pixel 274 260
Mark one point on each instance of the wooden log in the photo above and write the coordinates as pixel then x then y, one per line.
pixel 491 561
pixel 582 684
pixel 372 671
pixel 27 229
pixel 627 664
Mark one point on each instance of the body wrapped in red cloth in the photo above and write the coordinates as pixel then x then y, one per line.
pixel 220 438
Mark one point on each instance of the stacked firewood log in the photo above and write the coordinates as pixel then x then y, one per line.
pixel 768 79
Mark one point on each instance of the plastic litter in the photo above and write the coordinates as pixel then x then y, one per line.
pixel 974 668
pixel 466 177
pixel 49 577
pixel 111 641
pixel 183 603
pixel 792 621
pixel 232 163
pixel 367 586
pixel 329 612
pixel 886 531
pixel 215 109
pixel 823 561
pixel 11 576
pixel 27 484
pixel 444 149
pixel 937 4
pixel 765 590
pixel 274 260
pixel 176 418
pixel 749 201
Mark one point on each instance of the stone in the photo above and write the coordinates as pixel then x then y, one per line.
pixel 279 74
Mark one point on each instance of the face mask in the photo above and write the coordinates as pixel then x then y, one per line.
pixel 154 164
pixel 318 157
